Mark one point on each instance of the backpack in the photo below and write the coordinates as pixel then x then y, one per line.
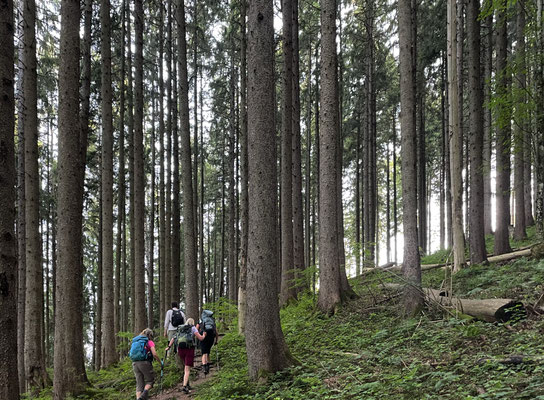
pixel 184 338
pixel 177 318
pixel 138 352
pixel 208 322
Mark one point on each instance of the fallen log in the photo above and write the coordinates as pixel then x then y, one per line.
pixel 490 310
pixel 392 267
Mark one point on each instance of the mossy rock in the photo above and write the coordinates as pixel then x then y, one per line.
pixel 537 251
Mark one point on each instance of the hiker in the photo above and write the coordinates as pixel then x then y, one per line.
pixel 142 352
pixel 185 343
pixel 173 318
pixel 208 327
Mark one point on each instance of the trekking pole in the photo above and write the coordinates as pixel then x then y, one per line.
pixel 217 356
pixel 163 361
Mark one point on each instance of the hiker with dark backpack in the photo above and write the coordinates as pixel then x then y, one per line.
pixel 208 327
pixel 184 344
pixel 173 318
pixel 142 352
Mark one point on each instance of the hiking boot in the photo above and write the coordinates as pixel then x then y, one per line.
pixel 185 390
pixel 189 387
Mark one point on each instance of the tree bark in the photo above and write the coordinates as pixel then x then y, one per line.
pixel 151 266
pixel 117 313
pixel 520 127
pixel 244 204
pixel 476 222
pixel 455 143
pixel 265 344
pixel 108 334
pixel 162 200
pixel 287 292
pixel 298 217
pixel 502 242
pixel 331 279
pixel 168 190
pixel 69 373
pixel 488 55
pixel 232 261
pixel 189 240
pixel 539 139
pixel 130 315
pixel 21 230
pixel 411 269
pixel 9 380
pixel 139 183
pixel 35 373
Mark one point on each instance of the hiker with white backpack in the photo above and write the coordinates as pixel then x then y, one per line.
pixel 184 344
pixel 142 352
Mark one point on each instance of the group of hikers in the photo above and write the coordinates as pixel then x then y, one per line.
pixel 182 334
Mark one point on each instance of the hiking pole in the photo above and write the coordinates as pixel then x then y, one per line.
pixel 217 356
pixel 162 370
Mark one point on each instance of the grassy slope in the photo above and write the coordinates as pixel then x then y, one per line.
pixel 366 351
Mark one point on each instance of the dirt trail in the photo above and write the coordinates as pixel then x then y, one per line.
pixel 175 392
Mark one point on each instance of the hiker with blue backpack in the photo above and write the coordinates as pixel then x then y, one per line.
pixel 142 352
pixel 184 344
pixel 208 327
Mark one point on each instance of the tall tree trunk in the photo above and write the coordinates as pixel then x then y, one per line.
pixel 130 90
pixel 539 139
pixel 121 187
pixel 84 117
pixel 139 182
pixel 168 190
pixel 478 252
pixel 162 201
pixel 331 279
pixel 266 347
pixel 298 217
pixel 308 166
pixel 357 199
pixel 108 334
pixel 69 374
pixel 21 230
pixel 287 292
pixel 9 380
pixel 205 281
pixel 232 288
pixel 487 59
pixel 98 348
pixel 502 242
pixel 176 206
pixel 395 214
pixel 455 142
pixel 189 240
pixel 520 127
pixel 151 266
pixel 36 376
pixel 372 204
pixel 387 206
pixel 244 204
pixel 411 269
pixel 443 141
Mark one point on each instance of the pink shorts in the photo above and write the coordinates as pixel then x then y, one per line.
pixel 187 356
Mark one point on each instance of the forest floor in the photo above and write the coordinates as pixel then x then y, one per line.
pixel 369 350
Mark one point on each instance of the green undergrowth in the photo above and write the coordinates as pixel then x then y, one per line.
pixel 367 350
